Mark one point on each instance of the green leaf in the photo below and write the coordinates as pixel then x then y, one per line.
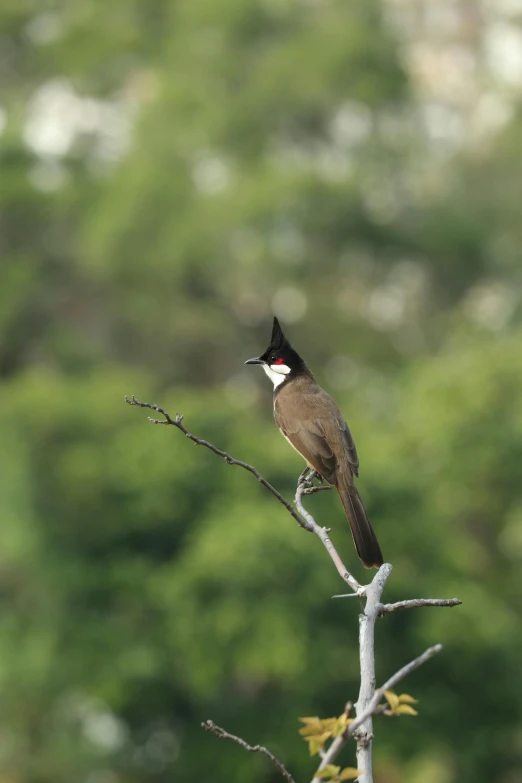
pixel 350 773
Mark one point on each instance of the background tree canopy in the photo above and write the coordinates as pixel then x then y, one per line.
pixel 172 173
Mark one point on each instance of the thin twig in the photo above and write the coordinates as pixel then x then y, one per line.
pixel 322 533
pixel 176 422
pixel 222 734
pixel 415 602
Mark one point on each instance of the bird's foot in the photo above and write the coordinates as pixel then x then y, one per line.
pixel 306 481
pixel 302 475
pixel 311 489
pixel 305 478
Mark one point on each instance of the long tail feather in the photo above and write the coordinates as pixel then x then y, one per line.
pixel 364 538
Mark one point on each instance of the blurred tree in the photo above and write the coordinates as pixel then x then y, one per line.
pixel 171 174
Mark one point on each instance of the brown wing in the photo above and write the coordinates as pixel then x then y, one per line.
pixel 318 431
pixel 349 444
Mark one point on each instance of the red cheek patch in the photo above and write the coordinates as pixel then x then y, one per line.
pixel 279 361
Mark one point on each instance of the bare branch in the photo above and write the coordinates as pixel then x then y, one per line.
pixel 322 533
pixel 230 460
pixel 389 684
pixel 222 734
pixel 302 517
pixel 415 602
pixel 367 620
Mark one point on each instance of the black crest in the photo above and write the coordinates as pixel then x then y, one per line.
pixel 278 339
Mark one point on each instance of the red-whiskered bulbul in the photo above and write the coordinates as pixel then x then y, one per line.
pixel 313 424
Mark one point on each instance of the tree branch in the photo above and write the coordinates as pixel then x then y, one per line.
pixel 371 709
pixel 177 422
pixel 303 518
pixel 391 683
pixel 303 485
pixel 367 620
pixel 222 734
pixel 415 602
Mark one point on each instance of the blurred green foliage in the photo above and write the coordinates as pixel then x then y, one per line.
pixel 171 173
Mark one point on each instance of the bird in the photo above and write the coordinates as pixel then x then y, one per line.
pixel 314 426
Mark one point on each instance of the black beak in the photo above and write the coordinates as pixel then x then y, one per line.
pixel 255 360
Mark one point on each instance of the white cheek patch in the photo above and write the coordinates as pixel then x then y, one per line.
pixel 283 369
pixel 276 372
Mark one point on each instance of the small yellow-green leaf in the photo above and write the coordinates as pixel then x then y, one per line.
pixel 341 724
pixel 307 731
pixel 392 699
pixel 324 736
pixel 339 728
pixel 314 746
pixel 316 743
pixel 405 709
pixel 312 726
pixel 329 724
pixel 405 698
pixel 350 773
pixel 330 771
pixel 313 721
